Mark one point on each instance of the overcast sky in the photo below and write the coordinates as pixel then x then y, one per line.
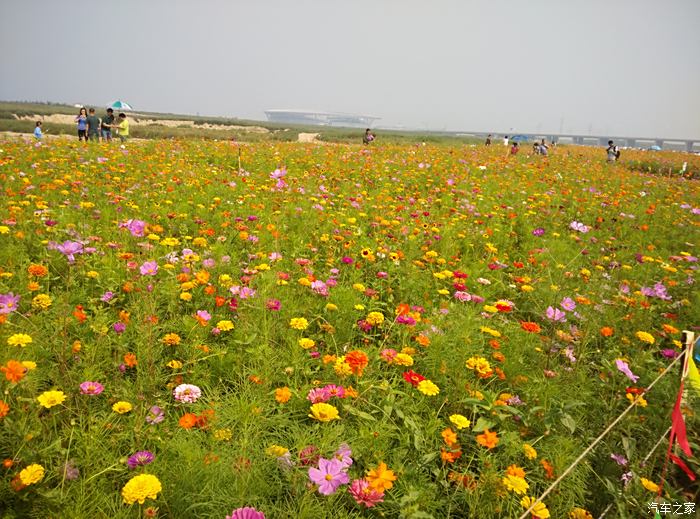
pixel 611 67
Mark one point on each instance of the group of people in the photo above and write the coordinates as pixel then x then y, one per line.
pixel 93 128
pixel 541 148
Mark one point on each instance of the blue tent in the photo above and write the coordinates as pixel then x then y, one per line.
pixel 519 138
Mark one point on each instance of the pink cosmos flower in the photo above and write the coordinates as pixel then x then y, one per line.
pixel 363 494
pixel 568 304
pixel 624 368
pixel 329 475
pixel 554 314
pixel 135 227
pixel 246 513
pixel 8 303
pixel 149 268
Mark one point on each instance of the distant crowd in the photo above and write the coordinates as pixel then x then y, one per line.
pixel 542 148
pixel 93 128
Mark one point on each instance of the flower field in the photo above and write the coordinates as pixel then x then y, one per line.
pixel 337 331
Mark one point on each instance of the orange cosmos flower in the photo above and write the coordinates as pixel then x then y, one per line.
pixel 130 360
pixel 14 371
pixel 4 409
pixel 547 466
pixel 450 457
pixel 488 439
pixel 450 437
pixel 283 394
pixel 381 478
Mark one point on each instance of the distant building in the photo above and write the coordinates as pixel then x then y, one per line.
pixel 320 118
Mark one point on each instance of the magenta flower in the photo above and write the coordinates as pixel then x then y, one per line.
pixel 554 314
pixel 149 268
pixel 365 495
pixel 107 297
pixel 139 459
pixel 317 395
pixel 187 393
pixel 8 303
pixel 203 315
pixel 91 388
pixel 580 227
pixel 329 475
pixel 69 249
pixel 155 415
pixel 344 455
pixel 335 391
pixel 462 296
pixel 246 513
pixel 135 227
pixel 619 459
pixel 119 327
pixel 538 232
pixel 568 304
pixel 273 304
pixel 624 368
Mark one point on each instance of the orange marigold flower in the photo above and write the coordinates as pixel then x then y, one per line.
pixel 283 394
pixel 423 340
pixel 402 309
pixel 450 457
pixel 450 437
pixel 530 327
pixel 80 314
pixel 130 360
pixel 37 271
pixel 516 471
pixel 14 371
pixel 357 360
pixel 488 439
pixel 187 421
pixel 606 331
pixel 4 409
pixel 547 466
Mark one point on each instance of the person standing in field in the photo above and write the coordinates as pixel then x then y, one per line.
pixel 81 119
pixel 93 126
pixel 367 137
pixel 488 140
pixel 122 127
pixel 613 152
pixel 544 149
pixel 505 140
pixel 514 149
pixel 37 131
pixel 107 121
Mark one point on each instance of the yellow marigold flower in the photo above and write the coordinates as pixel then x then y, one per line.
pixel 490 331
pixel 31 474
pixel 479 365
pixel 579 513
pixel 540 509
pixel 636 399
pixel 122 407
pixel 92 274
pixel 199 241
pixel 186 296
pixel 359 307
pixel 48 399
pixel 427 387
pixel 29 364
pixel 141 487
pixel 19 339
pixel 649 485
pixel 41 302
pixel 527 288
pixel 174 364
pixel 170 242
pixel 459 421
pixel 299 323
pixel 225 280
pixel 225 325
pixel 342 368
pixel 330 307
pixel 402 359
pixel 530 452
pixel 375 318
pixel 276 451
pixel 645 337
pixel 515 484
pixel 324 412
pixel 306 343
pixel 171 339
pixel 359 287
pixel 490 309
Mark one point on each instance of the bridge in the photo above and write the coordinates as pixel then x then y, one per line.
pixel 597 140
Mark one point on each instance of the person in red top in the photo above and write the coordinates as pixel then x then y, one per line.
pixel 514 149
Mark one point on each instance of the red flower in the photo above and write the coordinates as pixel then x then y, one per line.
pixel 413 378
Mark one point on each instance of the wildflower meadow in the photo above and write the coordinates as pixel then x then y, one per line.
pixel 211 329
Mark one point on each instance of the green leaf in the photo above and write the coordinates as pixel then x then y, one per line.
pixel 568 422
pixel 482 424
pixel 359 414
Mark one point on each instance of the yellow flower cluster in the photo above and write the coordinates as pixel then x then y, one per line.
pixel 41 302
pixel 479 364
pixel 299 323
pixel 645 337
pixel 31 474
pixel 51 398
pixel 375 318
pixel 19 339
pixel 141 487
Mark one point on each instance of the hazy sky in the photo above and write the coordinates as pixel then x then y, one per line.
pixel 612 67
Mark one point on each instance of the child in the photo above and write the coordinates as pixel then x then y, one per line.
pixel 123 127
pixel 37 131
